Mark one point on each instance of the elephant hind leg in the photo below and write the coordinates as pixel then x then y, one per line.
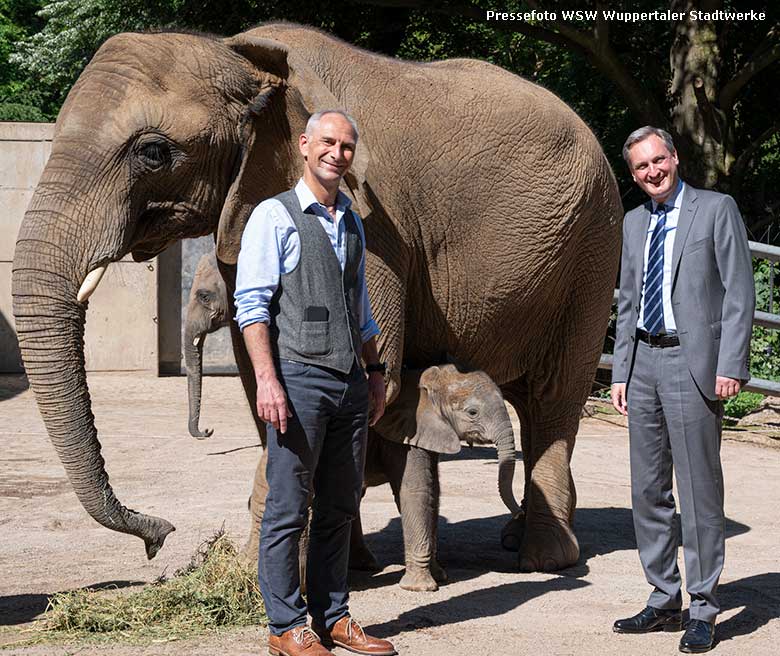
pixel 549 403
pixel 543 535
pixel 361 558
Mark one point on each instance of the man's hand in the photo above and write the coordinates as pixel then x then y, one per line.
pixel 725 388
pixel 619 398
pixel 376 396
pixel 272 402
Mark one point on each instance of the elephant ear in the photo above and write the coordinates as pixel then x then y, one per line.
pixel 279 68
pixel 434 433
pixel 415 418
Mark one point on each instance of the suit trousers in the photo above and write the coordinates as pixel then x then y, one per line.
pixel 673 426
pixel 322 453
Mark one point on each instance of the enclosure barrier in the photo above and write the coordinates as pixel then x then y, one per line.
pixel 763 319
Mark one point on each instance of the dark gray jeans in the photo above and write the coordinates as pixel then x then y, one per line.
pixel 322 453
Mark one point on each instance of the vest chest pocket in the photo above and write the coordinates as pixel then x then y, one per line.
pixel 315 337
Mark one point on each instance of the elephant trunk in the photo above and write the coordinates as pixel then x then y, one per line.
pixel 505 445
pixel 193 361
pixel 50 327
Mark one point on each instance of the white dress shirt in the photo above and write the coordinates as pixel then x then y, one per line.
pixel 673 205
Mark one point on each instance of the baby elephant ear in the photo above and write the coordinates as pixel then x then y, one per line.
pixel 434 431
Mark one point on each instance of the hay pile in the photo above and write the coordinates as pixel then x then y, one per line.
pixel 215 590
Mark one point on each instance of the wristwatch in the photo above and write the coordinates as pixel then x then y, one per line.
pixel 380 367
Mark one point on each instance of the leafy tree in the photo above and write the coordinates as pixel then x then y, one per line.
pixel 19 100
pixel 712 83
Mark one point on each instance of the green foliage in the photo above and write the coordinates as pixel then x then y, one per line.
pixel 765 345
pixel 744 402
pixel 215 590
pixel 19 97
pixel 19 112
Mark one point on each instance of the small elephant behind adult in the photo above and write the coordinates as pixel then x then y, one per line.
pixel 437 409
pixel 207 312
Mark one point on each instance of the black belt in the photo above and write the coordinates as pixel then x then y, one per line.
pixel 657 341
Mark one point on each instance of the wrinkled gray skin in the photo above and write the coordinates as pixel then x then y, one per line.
pixel 492 228
pixel 435 410
pixel 207 312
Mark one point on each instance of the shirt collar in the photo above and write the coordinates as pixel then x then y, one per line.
pixel 675 200
pixel 306 198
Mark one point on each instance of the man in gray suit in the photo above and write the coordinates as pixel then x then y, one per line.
pixel 685 314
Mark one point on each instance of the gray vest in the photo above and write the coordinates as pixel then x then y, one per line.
pixel 314 312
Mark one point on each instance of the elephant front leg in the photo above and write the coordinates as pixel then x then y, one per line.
pixel 417 495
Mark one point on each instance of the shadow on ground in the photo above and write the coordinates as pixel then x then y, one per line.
pixel 601 531
pixel 12 385
pixel 470 548
pixel 759 598
pixel 23 608
pixel 492 602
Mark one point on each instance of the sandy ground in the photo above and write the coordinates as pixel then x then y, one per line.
pixel 49 544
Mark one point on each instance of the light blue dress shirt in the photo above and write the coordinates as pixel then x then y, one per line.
pixel 271 247
pixel 672 216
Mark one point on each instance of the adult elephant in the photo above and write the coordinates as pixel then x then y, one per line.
pixel 492 226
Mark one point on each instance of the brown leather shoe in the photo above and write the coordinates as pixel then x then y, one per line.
pixel 347 633
pixel 300 640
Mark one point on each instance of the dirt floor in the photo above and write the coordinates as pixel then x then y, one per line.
pixel 50 544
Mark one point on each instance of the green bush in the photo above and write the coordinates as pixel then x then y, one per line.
pixel 742 404
pixel 18 112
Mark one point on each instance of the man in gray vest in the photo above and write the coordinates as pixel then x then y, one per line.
pixel 682 345
pixel 303 308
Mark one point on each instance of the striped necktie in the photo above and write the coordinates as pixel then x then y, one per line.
pixel 654 282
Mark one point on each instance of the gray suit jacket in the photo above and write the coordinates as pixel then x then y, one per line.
pixel 713 298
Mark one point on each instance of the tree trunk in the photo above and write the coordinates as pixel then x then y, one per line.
pixel 704 132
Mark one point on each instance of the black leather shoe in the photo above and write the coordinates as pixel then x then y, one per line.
pixel 699 637
pixel 650 619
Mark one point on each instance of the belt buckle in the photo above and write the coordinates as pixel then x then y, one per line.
pixel 654 341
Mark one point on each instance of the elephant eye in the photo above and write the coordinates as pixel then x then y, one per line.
pixel 205 297
pixel 154 154
pixel 472 412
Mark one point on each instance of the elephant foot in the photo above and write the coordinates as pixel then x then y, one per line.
pixel 548 546
pixel 512 533
pixel 362 560
pixel 418 579
pixel 438 573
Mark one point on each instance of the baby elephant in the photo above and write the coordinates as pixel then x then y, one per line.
pixel 207 312
pixel 436 410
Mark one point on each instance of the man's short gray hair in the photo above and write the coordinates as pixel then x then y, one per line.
pixel 643 133
pixel 314 121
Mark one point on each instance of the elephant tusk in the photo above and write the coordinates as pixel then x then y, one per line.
pixel 90 283
pixel 196 341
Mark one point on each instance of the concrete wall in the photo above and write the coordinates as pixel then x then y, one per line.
pixel 135 318
pixel 24 149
